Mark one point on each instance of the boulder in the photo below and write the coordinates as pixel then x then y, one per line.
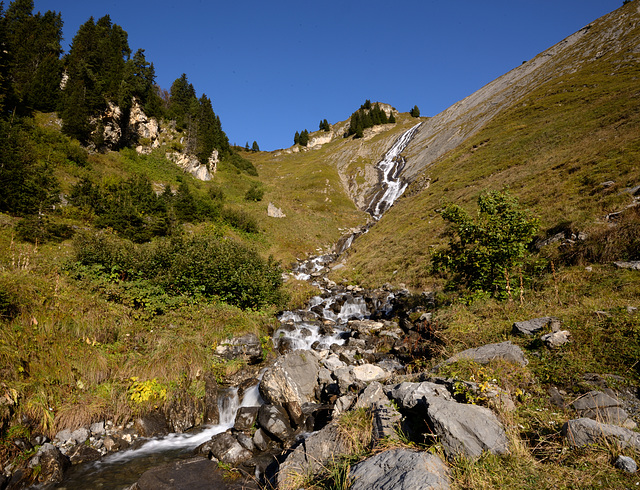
pixel 625 463
pixel 505 351
pixel 599 406
pixel 275 212
pixel 211 409
pixel 633 265
pixel 52 464
pixel 184 413
pixel 246 418
pixel 293 377
pixel 366 373
pixel 535 325
pixel 226 448
pixel 385 416
pixel 556 339
pixel 583 431
pixel 408 395
pixel 466 430
pixel 247 347
pixel 312 455
pixel 151 425
pixel 400 469
pixel 83 453
pixel 275 421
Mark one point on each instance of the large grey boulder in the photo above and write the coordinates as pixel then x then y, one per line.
pixel 466 430
pixel 505 351
pixel 226 448
pixel 312 455
pixel 599 406
pixel 408 395
pixel 535 325
pixel 275 420
pixel 583 431
pixel 400 469
pixel 386 417
pixel 292 378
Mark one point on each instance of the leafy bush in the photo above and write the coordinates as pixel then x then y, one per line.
pixel 255 193
pixel 38 229
pixel 240 220
pixel 242 164
pixel 482 253
pixel 199 267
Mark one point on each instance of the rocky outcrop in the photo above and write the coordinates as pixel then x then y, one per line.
pixel 190 164
pixel 292 378
pixel 400 469
pixel 247 348
pixel 504 351
pixel 599 406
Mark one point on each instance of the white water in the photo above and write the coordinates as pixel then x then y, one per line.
pixel 390 167
pixel 228 405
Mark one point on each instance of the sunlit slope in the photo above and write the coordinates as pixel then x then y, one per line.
pixel 320 189
pixel 553 149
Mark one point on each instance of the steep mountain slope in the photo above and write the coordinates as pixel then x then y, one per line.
pixel 613 35
pixel 575 129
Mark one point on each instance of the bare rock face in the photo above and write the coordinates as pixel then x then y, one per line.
pixel 190 164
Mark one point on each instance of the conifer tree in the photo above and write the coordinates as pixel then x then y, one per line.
pixel 296 138
pixel 415 112
pixel 304 138
pixel 255 147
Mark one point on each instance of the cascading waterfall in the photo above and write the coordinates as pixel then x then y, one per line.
pixel 121 469
pixel 390 168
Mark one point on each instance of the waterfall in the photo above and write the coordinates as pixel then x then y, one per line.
pixel 390 168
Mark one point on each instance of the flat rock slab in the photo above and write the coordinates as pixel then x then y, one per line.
pixel 400 469
pixel 190 474
pixel 535 325
pixel 466 430
pixel 505 351
pixel 583 431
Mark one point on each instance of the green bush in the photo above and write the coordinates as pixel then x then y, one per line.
pixel 483 253
pixel 255 193
pixel 38 229
pixel 199 267
pixel 240 220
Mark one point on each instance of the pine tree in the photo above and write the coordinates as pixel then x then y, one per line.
pixel 255 147
pixel 304 138
pixel 296 138
pixel 415 112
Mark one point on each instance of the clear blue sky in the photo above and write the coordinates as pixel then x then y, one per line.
pixel 274 68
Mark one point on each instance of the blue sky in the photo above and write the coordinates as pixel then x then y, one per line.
pixel 274 68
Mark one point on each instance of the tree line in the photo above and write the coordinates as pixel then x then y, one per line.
pixel 367 116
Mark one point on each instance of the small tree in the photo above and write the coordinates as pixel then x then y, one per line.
pixel 415 112
pixel 483 252
pixel 255 147
pixel 304 138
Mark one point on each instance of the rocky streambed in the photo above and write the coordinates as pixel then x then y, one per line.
pixel 281 419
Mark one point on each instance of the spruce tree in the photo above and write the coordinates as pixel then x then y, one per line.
pixel 255 147
pixel 415 112
pixel 296 138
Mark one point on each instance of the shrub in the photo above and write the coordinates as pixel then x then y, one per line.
pixel 483 252
pixel 240 220
pixel 38 229
pixel 255 193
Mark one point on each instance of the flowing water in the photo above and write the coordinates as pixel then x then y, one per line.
pixel 324 322
pixel 390 168
pixel 120 470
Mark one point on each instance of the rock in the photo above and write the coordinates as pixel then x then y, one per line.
pixel 366 373
pixel 385 416
pixel 583 431
pixel 226 448
pixel 293 377
pixel 184 413
pixel 556 339
pixel 63 436
pixel 505 351
pixel 246 418
pixel 466 430
pixel 261 440
pixel 625 463
pixel 343 404
pixel 531 327
pixel 151 425
pixel 211 410
pixel 633 265
pixel 408 395
pixel 275 421
pixel 80 435
pixel 313 454
pixel 400 469
pixel 190 164
pixel 52 464
pixel 599 406
pixel 274 212
pixel 247 347
pixel 97 429
pixel 191 474
pixel 82 453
